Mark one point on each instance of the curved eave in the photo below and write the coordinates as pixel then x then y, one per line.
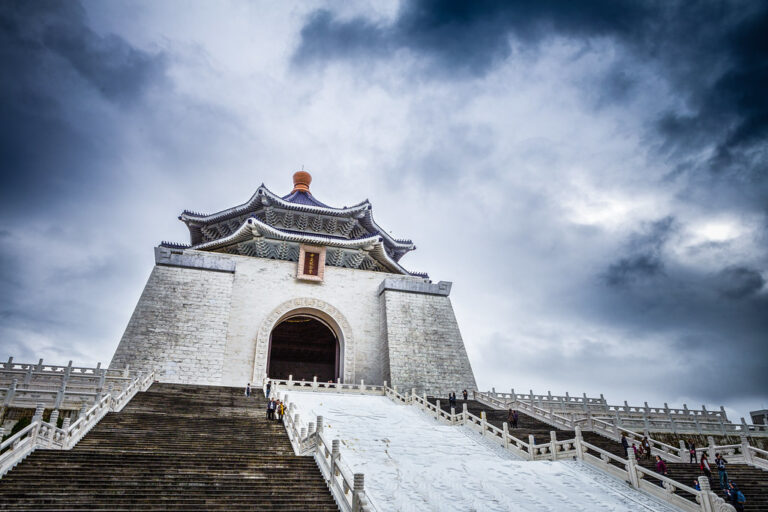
pixel 256 202
pixel 254 228
pixel 398 244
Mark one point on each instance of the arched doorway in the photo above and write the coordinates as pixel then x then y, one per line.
pixel 305 347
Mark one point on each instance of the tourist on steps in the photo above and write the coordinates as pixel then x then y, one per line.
pixel 269 387
pixel 280 411
pixel 515 419
pixel 704 465
pixel 248 390
pixel 696 484
pixel 735 496
pixel 692 452
pixel 646 447
pixel 271 409
pixel 465 394
pixel 661 466
pixel 510 417
pixel 720 463
pixel 624 444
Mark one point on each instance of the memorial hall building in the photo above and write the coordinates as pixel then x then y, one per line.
pixel 287 286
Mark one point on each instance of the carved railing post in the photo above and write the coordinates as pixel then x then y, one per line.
pixel 335 454
pixel 357 491
pixel 632 468
pixel 11 393
pixel 319 428
pixel 482 423
pixel 453 415
pixel 531 449
pixel 464 414
pixel 505 434
pixel 579 440
pixel 39 409
pixel 746 452
pixel 705 494
pixel 553 444
pixel 437 410
pixel 711 443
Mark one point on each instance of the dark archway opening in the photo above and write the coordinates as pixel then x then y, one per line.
pixel 304 347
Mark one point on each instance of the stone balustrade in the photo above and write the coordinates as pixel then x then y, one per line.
pixel 24 385
pixel 348 488
pixel 329 387
pixel 599 406
pixel 585 410
pixel 42 434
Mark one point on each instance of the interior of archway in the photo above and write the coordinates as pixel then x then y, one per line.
pixel 304 347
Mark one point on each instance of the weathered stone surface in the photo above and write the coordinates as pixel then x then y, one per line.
pixel 425 348
pixel 179 326
pixel 199 323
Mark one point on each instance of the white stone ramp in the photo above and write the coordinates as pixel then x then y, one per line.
pixel 413 463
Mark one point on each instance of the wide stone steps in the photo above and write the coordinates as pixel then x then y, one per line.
pixel 752 481
pixel 174 447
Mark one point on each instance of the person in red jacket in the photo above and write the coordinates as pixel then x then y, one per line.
pixel 661 466
pixel 704 465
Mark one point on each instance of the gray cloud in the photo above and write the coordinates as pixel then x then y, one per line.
pixel 563 163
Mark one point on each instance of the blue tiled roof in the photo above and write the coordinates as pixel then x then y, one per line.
pixel 306 198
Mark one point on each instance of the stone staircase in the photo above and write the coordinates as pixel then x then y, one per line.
pixel 174 447
pixel 752 481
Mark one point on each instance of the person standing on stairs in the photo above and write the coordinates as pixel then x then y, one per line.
pixel 720 463
pixel 661 466
pixel 624 444
pixel 646 447
pixel 515 419
pixel 269 387
pixel 692 452
pixel 465 394
pixel 736 497
pixel 248 390
pixel 704 465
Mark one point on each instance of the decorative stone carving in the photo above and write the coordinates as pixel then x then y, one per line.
pixel 306 305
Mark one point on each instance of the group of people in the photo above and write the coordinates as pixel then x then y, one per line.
pixel 731 491
pixel 275 408
pixel 641 452
pixel 512 418
pixel 452 398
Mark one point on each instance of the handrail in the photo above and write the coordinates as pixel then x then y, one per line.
pixel 331 387
pixel 43 434
pixel 348 491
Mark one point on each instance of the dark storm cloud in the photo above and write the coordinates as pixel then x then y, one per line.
pixel 463 36
pixel 645 260
pixel 739 282
pixel 706 317
pixel 714 54
pixel 54 128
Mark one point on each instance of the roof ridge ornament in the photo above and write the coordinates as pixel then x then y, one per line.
pixel 301 181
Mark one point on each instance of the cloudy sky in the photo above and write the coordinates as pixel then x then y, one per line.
pixel 592 176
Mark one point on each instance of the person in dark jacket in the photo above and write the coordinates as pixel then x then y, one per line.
pixel 624 444
pixel 737 497
pixel 661 466
pixel 465 394
pixel 248 390
pixel 269 387
pixel 720 463
pixel 515 418
pixel 692 452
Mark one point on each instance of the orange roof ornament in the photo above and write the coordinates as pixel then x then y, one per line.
pixel 301 181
